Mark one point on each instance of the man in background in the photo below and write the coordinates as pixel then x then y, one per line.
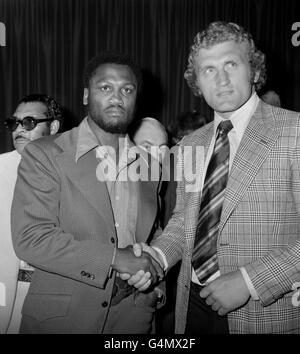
pixel 151 135
pixel 272 98
pixel 36 115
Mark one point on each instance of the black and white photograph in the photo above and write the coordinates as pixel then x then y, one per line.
pixel 150 170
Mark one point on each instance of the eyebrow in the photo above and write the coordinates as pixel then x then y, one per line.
pixel 108 81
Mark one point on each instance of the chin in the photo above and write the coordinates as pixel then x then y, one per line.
pixel 114 129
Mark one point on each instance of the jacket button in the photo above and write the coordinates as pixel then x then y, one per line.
pixel 112 240
pixel 83 273
pixel 104 304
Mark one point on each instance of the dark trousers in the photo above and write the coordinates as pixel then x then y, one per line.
pixel 201 319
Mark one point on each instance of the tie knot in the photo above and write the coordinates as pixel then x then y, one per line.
pixel 225 127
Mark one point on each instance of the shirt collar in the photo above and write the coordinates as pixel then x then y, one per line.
pixel 241 117
pixel 87 141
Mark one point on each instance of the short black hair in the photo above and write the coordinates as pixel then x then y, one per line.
pixel 54 109
pixel 112 58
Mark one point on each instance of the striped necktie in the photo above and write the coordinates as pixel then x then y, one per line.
pixel 204 258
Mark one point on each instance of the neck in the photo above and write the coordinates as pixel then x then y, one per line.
pixel 106 138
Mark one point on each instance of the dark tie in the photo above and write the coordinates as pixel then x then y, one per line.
pixel 204 259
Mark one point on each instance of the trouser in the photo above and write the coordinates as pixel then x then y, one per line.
pixel 201 319
pixel 133 314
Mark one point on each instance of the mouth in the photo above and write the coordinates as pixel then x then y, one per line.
pixel 115 111
pixel 20 139
pixel 225 93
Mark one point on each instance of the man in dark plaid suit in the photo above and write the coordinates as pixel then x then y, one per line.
pixel 258 236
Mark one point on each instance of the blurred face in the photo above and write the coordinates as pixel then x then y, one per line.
pixel 151 138
pixel 224 76
pixel 111 97
pixel 22 137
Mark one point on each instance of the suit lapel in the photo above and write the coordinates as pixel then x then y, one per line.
pixel 192 206
pixel 256 144
pixel 83 175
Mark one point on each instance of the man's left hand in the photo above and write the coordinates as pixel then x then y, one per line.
pixel 226 293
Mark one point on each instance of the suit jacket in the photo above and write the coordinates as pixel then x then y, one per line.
pixel 63 224
pixel 9 263
pixel 259 226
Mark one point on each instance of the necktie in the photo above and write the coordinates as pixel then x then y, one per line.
pixel 204 258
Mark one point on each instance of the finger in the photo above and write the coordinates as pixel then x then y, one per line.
pixel 137 249
pixel 136 277
pixel 216 306
pixel 146 286
pixel 142 283
pixel 205 292
pixel 153 272
pixel 222 311
pixel 124 276
pixel 209 300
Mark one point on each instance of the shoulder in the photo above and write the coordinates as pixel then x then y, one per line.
pixel 54 144
pixel 282 117
pixel 199 136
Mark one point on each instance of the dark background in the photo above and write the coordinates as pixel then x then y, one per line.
pixel 48 43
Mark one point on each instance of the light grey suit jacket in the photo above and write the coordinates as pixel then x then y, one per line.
pixel 63 224
pixel 260 222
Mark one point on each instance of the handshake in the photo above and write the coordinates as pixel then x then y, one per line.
pixel 139 264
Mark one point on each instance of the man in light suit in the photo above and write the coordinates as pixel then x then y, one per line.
pixel 76 214
pixel 36 115
pixel 257 236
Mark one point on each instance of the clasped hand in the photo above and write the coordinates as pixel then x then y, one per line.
pixel 143 279
pixel 130 265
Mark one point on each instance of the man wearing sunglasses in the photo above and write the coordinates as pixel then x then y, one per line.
pixel 36 115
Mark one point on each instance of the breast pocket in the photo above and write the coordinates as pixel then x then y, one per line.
pixel 46 306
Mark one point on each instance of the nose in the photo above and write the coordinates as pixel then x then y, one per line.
pixel 223 77
pixel 19 128
pixel 116 98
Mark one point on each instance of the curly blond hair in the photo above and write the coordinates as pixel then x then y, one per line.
pixel 219 32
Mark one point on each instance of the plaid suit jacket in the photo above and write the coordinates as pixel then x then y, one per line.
pixel 259 227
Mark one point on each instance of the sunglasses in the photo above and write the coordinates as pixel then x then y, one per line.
pixel 28 123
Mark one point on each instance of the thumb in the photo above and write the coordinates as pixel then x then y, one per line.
pixel 137 249
pixel 124 276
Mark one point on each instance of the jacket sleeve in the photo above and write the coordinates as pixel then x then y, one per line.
pixel 171 241
pixel 278 271
pixel 37 236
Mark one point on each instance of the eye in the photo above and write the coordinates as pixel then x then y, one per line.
pixel 230 66
pixel 127 90
pixel 208 71
pixel 146 146
pixel 105 88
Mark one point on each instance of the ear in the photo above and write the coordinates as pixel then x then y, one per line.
pixel 256 76
pixel 85 96
pixel 54 127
